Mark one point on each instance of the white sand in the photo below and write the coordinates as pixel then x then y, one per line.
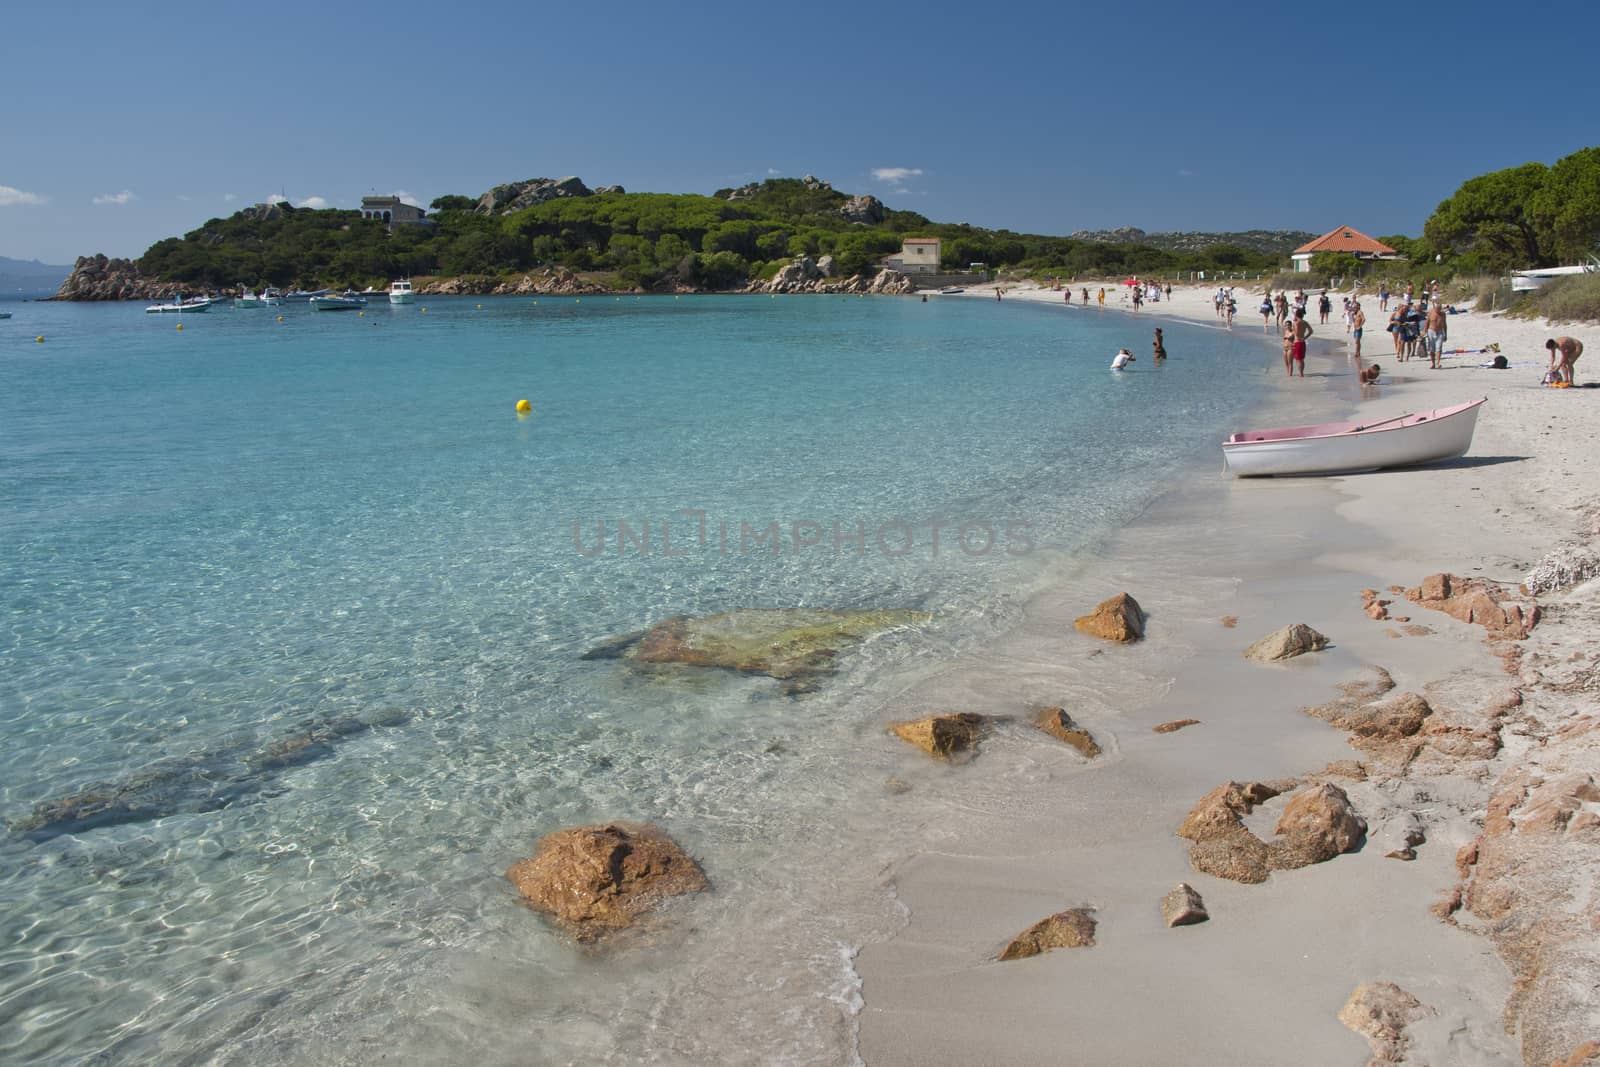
pixel 1263 980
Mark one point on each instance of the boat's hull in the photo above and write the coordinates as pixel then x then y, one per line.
pixel 1347 448
pixel 174 309
pixel 402 298
pixel 336 303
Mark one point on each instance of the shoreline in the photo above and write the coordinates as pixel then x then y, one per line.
pixel 1276 961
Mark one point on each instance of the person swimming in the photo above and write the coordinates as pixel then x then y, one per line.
pixel 1121 359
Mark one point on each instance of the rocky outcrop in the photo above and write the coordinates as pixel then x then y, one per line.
pixel 1317 824
pixel 1183 906
pixel 943 736
pixel 99 278
pixel 1059 725
pixel 1118 619
pixel 551 281
pixel 597 879
pixel 863 210
pixel 1073 928
pixel 782 643
pixel 805 275
pixel 1380 1012
pixel 1296 639
pixel 1476 600
pixel 1272 242
pixel 514 196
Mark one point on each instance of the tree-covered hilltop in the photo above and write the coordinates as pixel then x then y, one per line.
pixel 1520 217
pixel 644 240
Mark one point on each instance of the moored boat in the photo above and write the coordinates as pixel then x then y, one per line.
pixel 347 301
pixel 271 297
pixel 400 292
pixel 303 294
pixel 1348 447
pixel 179 307
pixel 247 298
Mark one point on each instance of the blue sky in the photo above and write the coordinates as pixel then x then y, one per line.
pixel 128 123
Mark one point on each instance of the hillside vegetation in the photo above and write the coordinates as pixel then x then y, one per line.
pixel 644 240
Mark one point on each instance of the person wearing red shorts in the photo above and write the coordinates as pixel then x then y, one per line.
pixel 1301 331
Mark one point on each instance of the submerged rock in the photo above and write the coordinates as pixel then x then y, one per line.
pixel 207 780
pixel 1296 639
pixel 596 879
pixel 785 643
pixel 1118 619
pixel 1174 726
pixel 1073 928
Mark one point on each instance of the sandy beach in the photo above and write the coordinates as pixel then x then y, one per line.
pixel 1488 927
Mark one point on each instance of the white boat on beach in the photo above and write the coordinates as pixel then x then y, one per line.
pixel 349 301
pixel 400 292
pixel 951 290
pixel 179 307
pixel 1349 447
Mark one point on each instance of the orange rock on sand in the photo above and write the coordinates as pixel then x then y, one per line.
pixel 1117 619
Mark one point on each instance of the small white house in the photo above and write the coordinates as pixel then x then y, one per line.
pixel 390 209
pixel 918 255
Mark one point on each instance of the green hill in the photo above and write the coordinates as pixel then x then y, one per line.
pixel 643 240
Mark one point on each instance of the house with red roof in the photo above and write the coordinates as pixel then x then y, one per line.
pixel 1342 239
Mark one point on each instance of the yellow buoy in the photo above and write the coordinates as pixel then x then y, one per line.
pixel 523 407
pixel 180 325
pixel 361 314
pixel 424 311
pixel 480 307
pixel 40 338
pixel 280 318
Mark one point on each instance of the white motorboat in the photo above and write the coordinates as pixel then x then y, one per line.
pixel 1348 447
pixel 400 292
pixel 5 314
pixel 179 307
pixel 951 290
pixel 347 301
pixel 272 297
pixel 247 298
pixel 304 294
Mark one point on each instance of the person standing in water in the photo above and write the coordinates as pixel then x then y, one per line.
pixel 1160 349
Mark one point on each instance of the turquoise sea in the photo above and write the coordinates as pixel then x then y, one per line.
pixel 309 600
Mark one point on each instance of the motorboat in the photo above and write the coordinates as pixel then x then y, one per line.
pixel 347 301
pixel 1348 447
pixel 5 314
pixel 304 294
pixel 951 290
pixel 247 298
pixel 179 307
pixel 400 292
pixel 272 297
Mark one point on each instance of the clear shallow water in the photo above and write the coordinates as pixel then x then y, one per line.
pixel 213 537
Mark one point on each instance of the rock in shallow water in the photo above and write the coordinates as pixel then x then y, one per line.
pixel 596 879
pixel 784 643
pixel 943 736
pixel 1293 640
pixel 1117 619
pixel 1059 725
pixel 1183 906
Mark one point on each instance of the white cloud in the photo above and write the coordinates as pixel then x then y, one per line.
pixel 125 197
pixel 773 172
pixel 408 198
pixel 313 201
pixel 185 197
pixel 230 197
pixel 1185 172
pixel 896 176
pixel 277 198
pixel 10 197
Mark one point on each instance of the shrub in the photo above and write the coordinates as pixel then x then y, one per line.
pixel 1575 298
